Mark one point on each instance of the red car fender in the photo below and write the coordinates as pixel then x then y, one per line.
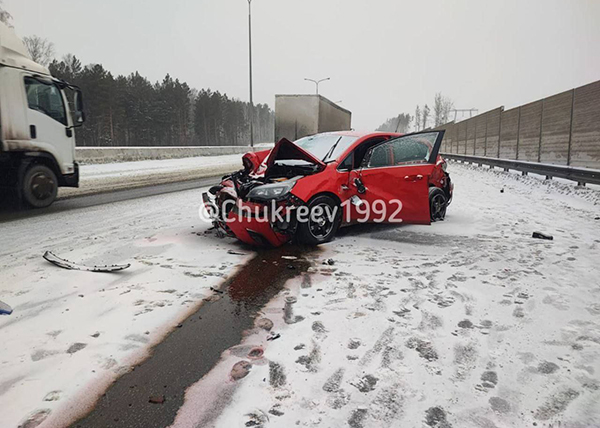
pixel 330 181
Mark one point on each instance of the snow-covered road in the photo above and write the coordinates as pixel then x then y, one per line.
pixel 73 329
pixel 465 323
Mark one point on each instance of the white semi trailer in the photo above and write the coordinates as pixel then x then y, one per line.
pixel 37 138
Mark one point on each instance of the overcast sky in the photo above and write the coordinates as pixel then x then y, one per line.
pixel 383 56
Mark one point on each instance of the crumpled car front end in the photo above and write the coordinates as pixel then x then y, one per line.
pixel 257 205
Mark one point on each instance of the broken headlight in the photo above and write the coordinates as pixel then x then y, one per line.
pixel 268 192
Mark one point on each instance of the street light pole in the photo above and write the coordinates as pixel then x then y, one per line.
pixel 251 115
pixel 316 82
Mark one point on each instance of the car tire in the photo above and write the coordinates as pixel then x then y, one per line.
pixel 39 186
pixel 438 204
pixel 323 230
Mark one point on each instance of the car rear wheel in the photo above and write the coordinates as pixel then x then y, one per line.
pixel 322 222
pixel 39 187
pixel 438 203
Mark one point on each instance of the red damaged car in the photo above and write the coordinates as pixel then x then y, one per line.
pixel 305 190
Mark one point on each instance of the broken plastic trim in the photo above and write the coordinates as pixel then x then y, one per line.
pixel 66 264
pixel 5 309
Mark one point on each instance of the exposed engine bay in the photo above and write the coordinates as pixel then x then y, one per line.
pixel 266 177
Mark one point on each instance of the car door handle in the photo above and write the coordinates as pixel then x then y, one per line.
pixel 413 177
pixel 344 187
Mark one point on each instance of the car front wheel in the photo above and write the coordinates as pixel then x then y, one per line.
pixel 321 223
pixel 438 203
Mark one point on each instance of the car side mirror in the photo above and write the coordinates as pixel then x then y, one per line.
pixel 360 187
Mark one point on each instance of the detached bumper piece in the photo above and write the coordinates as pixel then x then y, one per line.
pixel 66 264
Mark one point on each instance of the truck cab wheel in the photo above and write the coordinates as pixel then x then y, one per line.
pixel 39 186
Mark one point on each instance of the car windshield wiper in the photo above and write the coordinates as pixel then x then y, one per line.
pixel 330 152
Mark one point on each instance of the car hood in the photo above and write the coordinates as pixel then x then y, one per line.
pixel 286 150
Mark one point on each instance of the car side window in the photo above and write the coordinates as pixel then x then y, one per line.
pixel 407 150
pixel 346 164
pixel 45 98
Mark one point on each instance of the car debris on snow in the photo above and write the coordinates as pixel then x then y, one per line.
pixel 273 336
pixel 329 262
pixel 236 253
pixel 289 257
pixel 5 309
pixel 66 264
pixel 541 235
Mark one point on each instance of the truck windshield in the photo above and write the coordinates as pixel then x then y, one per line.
pixel 326 146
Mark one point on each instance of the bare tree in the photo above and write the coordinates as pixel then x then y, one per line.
pixel 5 17
pixel 426 111
pixel 441 109
pixel 418 118
pixel 41 50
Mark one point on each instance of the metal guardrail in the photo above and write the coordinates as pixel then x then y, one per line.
pixel 580 175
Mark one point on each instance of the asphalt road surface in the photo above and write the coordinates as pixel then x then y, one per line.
pixel 10 210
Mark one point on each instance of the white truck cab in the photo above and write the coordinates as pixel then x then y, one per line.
pixel 37 138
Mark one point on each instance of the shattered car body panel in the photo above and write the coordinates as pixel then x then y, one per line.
pixel 339 169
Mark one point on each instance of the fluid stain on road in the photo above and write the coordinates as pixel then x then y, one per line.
pixel 193 348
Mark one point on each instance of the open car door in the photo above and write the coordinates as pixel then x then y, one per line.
pixel 392 182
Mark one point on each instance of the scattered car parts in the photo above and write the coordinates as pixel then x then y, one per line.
pixel 5 309
pixel 541 235
pixel 66 264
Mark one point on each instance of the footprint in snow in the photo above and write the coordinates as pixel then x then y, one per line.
pixel 35 419
pixel 436 417
pixel 357 418
pixel 318 327
pixel 312 360
pixel 489 380
pixel 335 380
pixel 240 370
pixel 277 377
pixel 365 384
pixel 424 348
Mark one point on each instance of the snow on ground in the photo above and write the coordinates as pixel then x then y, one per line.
pixel 125 175
pixel 466 323
pixel 71 329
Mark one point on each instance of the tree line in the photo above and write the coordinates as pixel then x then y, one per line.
pixel 132 111
pixel 422 119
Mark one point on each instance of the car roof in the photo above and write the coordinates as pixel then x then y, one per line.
pixel 359 134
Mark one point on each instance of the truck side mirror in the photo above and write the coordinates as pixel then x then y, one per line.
pixel 79 113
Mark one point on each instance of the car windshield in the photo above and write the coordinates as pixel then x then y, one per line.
pixel 326 146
